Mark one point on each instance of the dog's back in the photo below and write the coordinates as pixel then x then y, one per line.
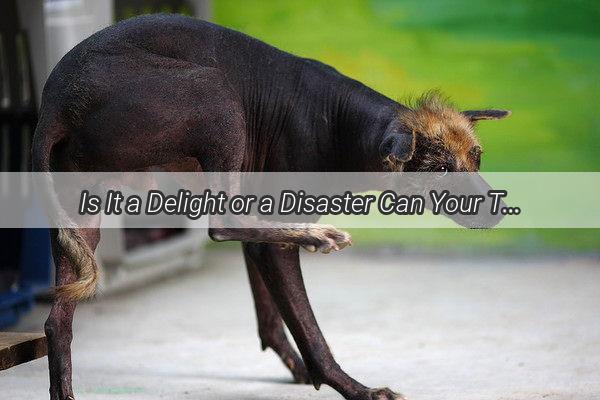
pixel 143 92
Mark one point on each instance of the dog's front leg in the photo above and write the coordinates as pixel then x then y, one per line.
pixel 280 268
pixel 270 324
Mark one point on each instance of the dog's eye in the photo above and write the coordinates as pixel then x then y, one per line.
pixel 443 170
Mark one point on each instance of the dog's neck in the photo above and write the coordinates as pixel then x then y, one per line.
pixel 367 118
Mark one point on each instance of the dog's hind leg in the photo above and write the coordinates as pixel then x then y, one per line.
pixel 270 324
pixel 58 327
pixel 73 253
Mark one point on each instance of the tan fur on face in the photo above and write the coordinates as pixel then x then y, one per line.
pixel 436 119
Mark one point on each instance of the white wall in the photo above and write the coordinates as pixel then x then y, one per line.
pixel 56 26
pixel 68 22
pixel 202 9
pixel 31 17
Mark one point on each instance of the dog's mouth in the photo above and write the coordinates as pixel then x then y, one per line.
pixel 477 222
pixel 468 185
pixel 484 219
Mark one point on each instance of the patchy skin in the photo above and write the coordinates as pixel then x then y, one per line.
pixel 188 95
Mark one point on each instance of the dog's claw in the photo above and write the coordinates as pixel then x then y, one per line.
pixel 310 248
pixel 333 239
pixel 323 238
pixel 344 244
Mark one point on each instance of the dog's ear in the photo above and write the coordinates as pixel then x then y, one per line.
pixel 396 149
pixel 478 115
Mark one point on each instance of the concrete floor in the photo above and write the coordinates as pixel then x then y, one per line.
pixel 430 328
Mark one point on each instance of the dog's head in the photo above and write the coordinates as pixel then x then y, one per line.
pixel 432 136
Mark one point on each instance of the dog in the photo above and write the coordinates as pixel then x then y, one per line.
pixel 184 94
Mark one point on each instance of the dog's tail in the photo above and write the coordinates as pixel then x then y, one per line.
pixel 72 244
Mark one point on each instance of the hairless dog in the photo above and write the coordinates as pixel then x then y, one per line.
pixel 184 94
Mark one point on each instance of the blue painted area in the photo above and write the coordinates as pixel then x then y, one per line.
pixel 14 304
pixel 35 260
pixel 33 266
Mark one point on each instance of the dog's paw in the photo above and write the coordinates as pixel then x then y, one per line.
pixel 325 238
pixel 385 394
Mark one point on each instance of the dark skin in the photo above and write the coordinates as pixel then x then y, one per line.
pixel 184 94
pixel 59 326
pixel 270 325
